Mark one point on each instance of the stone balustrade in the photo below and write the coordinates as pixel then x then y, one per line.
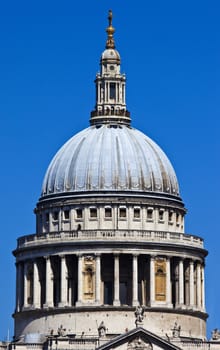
pixel 116 235
pixel 196 345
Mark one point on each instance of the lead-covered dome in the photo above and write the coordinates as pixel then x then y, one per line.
pixel 110 158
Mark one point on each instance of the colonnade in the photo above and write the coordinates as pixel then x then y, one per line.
pixel 112 279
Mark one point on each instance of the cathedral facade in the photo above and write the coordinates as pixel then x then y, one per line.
pixel 110 265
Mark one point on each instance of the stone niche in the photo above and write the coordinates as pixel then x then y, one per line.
pixel 88 278
pixel 160 279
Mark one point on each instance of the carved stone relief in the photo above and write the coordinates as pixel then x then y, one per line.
pixel 139 344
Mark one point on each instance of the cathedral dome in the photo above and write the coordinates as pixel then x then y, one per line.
pixel 110 158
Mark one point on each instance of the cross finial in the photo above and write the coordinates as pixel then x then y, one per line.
pixel 110 43
pixel 110 18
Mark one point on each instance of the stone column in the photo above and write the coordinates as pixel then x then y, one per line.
pixel 25 304
pixel 198 285
pixel 80 281
pixel 116 301
pixel 99 93
pixel 116 93
pixel 108 89
pixel 36 286
pixel 72 226
pixel 124 94
pixel 106 92
pixel 19 282
pixel 168 283
pixel 181 284
pixel 135 301
pixel 98 279
pixel 191 284
pixel 48 284
pixel 63 282
pixel 176 276
pixel 203 287
pixel 50 224
pixel 60 222
pixel 152 280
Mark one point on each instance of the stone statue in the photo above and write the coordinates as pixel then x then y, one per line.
pixel 61 331
pixel 139 315
pixel 102 330
pixel 176 330
pixel 215 334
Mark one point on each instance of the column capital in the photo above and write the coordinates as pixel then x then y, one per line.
pixel 116 254
pixel 62 256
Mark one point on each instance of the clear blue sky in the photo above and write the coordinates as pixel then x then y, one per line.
pixel 49 55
